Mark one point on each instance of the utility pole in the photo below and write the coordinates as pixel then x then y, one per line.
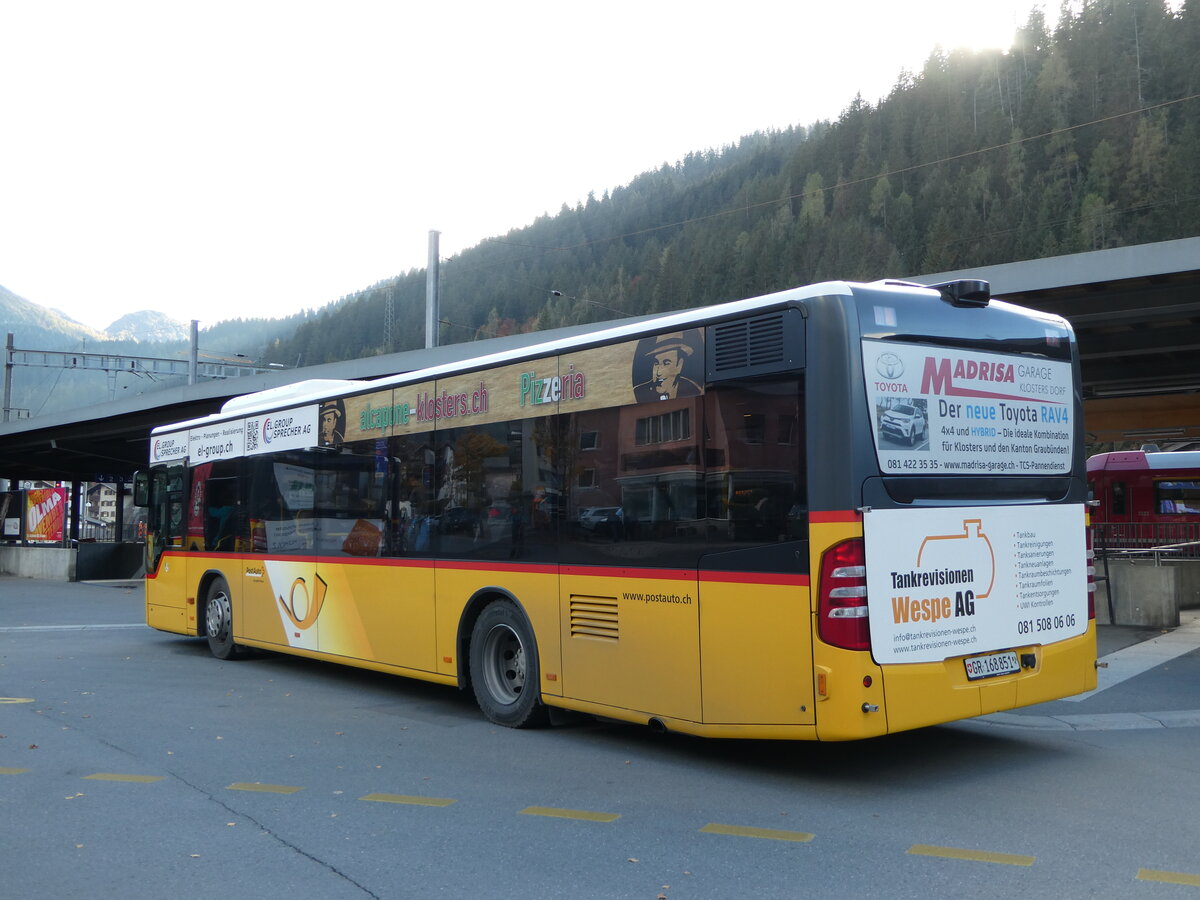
pixel 8 367
pixel 389 318
pixel 432 313
pixel 194 356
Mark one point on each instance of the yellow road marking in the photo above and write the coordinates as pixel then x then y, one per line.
pixel 771 834
pixel 16 699
pixel 569 814
pixel 1008 859
pixel 113 776
pixel 13 771
pixel 411 801
pixel 263 788
pixel 1168 877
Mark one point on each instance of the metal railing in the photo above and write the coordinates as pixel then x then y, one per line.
pixel 1174 540
pixel 108 532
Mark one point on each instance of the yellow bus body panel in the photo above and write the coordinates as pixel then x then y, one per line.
pixel 622 650
pixel 756 644
pixel 166 618
pixel 686 726
pixel 258 606
pixel 920 694
pixel 379 613
pixel 842 673
pixel 166 597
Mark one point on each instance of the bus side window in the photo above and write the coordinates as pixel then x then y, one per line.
pixel 1118 498
pixel 754 454
pixel 411 506
pixel 220 515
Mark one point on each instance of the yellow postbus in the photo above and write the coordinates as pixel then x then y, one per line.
pixel 830 513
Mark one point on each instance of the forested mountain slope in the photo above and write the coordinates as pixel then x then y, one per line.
pixel 1082 137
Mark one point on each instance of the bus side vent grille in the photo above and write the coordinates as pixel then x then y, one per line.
pixel 757 346
pixel 594 617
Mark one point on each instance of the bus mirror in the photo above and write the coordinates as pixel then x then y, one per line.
pixel 141 489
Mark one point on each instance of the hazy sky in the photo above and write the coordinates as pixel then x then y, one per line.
pixel 222 159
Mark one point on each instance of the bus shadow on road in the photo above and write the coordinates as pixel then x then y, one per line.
pixel 955 750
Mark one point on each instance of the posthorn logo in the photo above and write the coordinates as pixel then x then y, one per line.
pixel 889 365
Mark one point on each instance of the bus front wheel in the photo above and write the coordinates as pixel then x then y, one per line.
pixel 504 667
pixel 218 621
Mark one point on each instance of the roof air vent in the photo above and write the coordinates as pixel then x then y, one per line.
pixel 966 292
pixel 755 346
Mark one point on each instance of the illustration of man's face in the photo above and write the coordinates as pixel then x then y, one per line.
pixel 667 366
pixel 328 426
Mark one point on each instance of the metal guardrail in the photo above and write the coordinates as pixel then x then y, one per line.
pixel 1178 540
pixel 1158 553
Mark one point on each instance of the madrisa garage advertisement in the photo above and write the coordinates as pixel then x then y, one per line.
pixel 962 412
pixel 956 581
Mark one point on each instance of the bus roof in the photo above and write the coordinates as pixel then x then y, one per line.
pixel 304 392
pixel 308 392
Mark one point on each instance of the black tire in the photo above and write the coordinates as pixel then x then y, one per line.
pixel 218 621
pixel 504 667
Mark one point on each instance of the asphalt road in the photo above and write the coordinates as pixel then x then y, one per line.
pixel 133 764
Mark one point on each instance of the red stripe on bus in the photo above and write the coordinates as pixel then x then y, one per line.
pixel 787 579
pixel 626 572
pixel 357 560
pixel 783 578
pixel 834 516
pixel 517 568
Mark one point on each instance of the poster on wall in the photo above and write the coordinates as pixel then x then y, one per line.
pixel 45 513
pixel 11 511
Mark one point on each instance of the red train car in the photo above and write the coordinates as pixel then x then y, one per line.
pixel 1146 499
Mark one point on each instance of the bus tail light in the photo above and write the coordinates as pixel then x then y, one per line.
pixel 842 597
pixel 1091 576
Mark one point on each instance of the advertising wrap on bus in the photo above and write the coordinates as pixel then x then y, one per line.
pixel 953 581
pixel 960 412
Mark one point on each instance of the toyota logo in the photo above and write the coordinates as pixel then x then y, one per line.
pixel 889 365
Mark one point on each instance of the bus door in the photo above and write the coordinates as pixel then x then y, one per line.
pixel 282 595
pixel 165 518
pixel 166 530
pixel 755 634
pixel 365 613
pixel 629 608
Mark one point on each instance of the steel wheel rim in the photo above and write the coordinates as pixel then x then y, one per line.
pixel 504 664
pixel 219 615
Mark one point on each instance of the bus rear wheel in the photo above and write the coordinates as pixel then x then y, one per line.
pixel 218 621
pixel 504 667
